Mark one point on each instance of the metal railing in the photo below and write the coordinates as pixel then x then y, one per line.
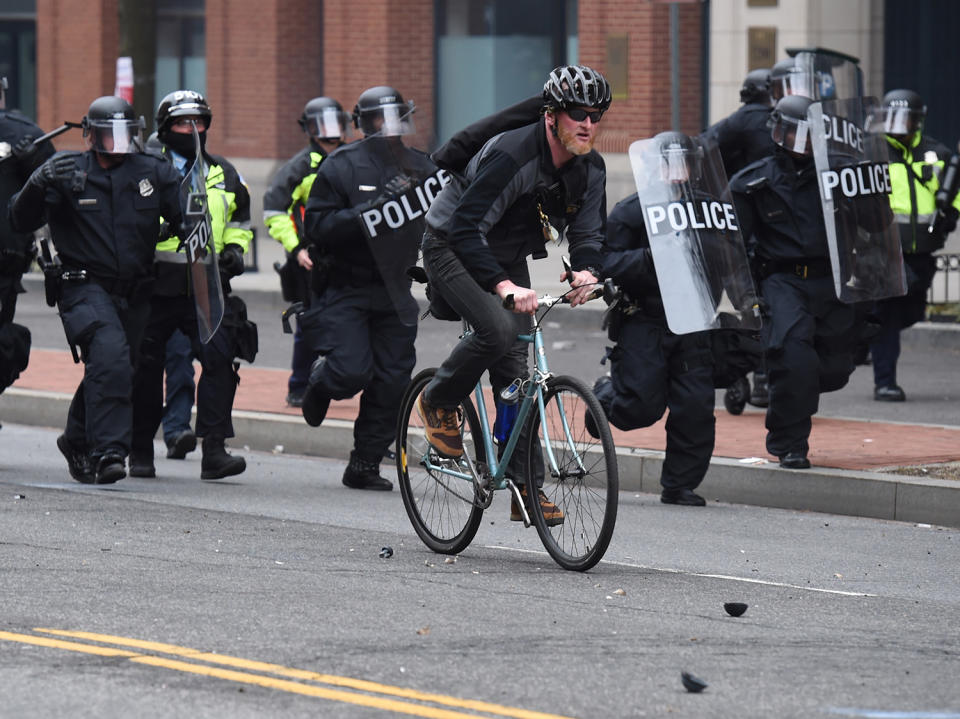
pixel 946 283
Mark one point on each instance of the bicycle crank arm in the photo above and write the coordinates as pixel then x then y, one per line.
pixel 518 498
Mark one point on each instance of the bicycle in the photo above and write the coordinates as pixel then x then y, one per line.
pixel 445 498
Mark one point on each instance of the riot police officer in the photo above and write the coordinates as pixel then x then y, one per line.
pixel 183 118
pixel 325 124
pixel 916 165
pixel 807 334
pixel 103 207
pixel 743 137
pixel 652 368
pixel 19 157
pixel 364 218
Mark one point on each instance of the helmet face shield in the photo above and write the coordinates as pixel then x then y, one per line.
pixel 387 120
pixel 678 164
pixel 900 121
pixel 798 83
pixel 116 137
pixel 328 124
pixel 792 135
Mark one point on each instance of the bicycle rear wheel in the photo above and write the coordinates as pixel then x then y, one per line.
pixel 579 474
pixel 443 509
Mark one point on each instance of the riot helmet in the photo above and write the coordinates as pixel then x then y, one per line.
pixel 182 103
pixel 789 126
pixel 3 93
pixel 756 87
pixel 111 127
pixel 788 77
pixel 323 118
pixel 382 111
pixel 902 113
pixel 576 85
pixel 680 157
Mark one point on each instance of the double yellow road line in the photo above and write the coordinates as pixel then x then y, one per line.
pixel 272 676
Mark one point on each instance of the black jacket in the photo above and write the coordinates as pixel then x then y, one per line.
pixel 490 215
pixel 778 205
pixel 743 137
pixel 350 181
pixel 104 221
pixel 13 173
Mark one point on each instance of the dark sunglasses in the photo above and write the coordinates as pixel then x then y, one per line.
pixel 578 114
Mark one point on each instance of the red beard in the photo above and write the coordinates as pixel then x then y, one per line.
pixel 573 144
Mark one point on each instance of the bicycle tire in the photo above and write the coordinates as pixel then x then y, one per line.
pixel 443 510
pixel 586 488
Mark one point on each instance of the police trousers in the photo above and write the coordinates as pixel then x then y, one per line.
pixel 809 342
pixel 106 329
pixel 653 370
pixel 367 349
pixel 218 377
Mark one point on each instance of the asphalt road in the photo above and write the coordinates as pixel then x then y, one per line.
pixel 114 600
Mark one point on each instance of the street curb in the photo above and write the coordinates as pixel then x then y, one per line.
pixel 856 493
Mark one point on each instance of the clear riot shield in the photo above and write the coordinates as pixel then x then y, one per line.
pixel 850 152
pixel 200 247
pixel 695 241
pixel 394 225
pixel 823 74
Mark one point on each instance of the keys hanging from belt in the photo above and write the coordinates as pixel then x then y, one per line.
pixel 549 231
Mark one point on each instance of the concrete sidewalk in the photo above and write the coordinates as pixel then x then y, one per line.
pixel 852 459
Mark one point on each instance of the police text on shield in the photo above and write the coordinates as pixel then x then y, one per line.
pixel 699 215
pixel 394 214
pixel 861 180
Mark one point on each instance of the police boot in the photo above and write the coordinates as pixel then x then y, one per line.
pixel 217 463
pixel 735 398
pixel 365 474
pixel 760 396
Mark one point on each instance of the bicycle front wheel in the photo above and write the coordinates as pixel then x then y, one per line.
pixel 572 451
pixel 438 493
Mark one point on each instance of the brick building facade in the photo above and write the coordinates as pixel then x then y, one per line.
pixel 264 58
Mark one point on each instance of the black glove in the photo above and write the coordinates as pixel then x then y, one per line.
pixel 950 221
pixel 25 150
pixel 166 232
pixel 54 170
pixel 395 187
pixel 231 260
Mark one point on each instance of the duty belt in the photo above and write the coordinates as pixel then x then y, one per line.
pixel 804 269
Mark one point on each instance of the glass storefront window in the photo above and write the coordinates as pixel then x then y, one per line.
pixel 18 54
pixel 181 48
pixel 493 53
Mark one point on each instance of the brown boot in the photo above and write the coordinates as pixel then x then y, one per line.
pixel 442 427
pixel 552 514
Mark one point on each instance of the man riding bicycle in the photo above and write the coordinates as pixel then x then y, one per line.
pixel 523 187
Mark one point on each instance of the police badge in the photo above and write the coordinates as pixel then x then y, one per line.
pixel 146 189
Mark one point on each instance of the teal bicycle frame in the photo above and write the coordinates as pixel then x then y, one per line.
pixel 533 390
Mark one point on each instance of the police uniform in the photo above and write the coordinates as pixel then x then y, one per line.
pixel 743 137
pixel 653 369
pixel 284 204
pixel 915 171
pixel 172 306
pixel 15 247
pixel 807 331
pixel 353 322
pixel 104 224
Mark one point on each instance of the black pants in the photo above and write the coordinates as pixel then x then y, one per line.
pixel 367 349
pixel 898 313
pixel 653 370
pixel 218 378
pixel 809 343
pixel 107 330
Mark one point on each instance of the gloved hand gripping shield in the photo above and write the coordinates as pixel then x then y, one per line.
pixel 850 152
pixel 695 242
pixel 393 222
pixel 200 247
